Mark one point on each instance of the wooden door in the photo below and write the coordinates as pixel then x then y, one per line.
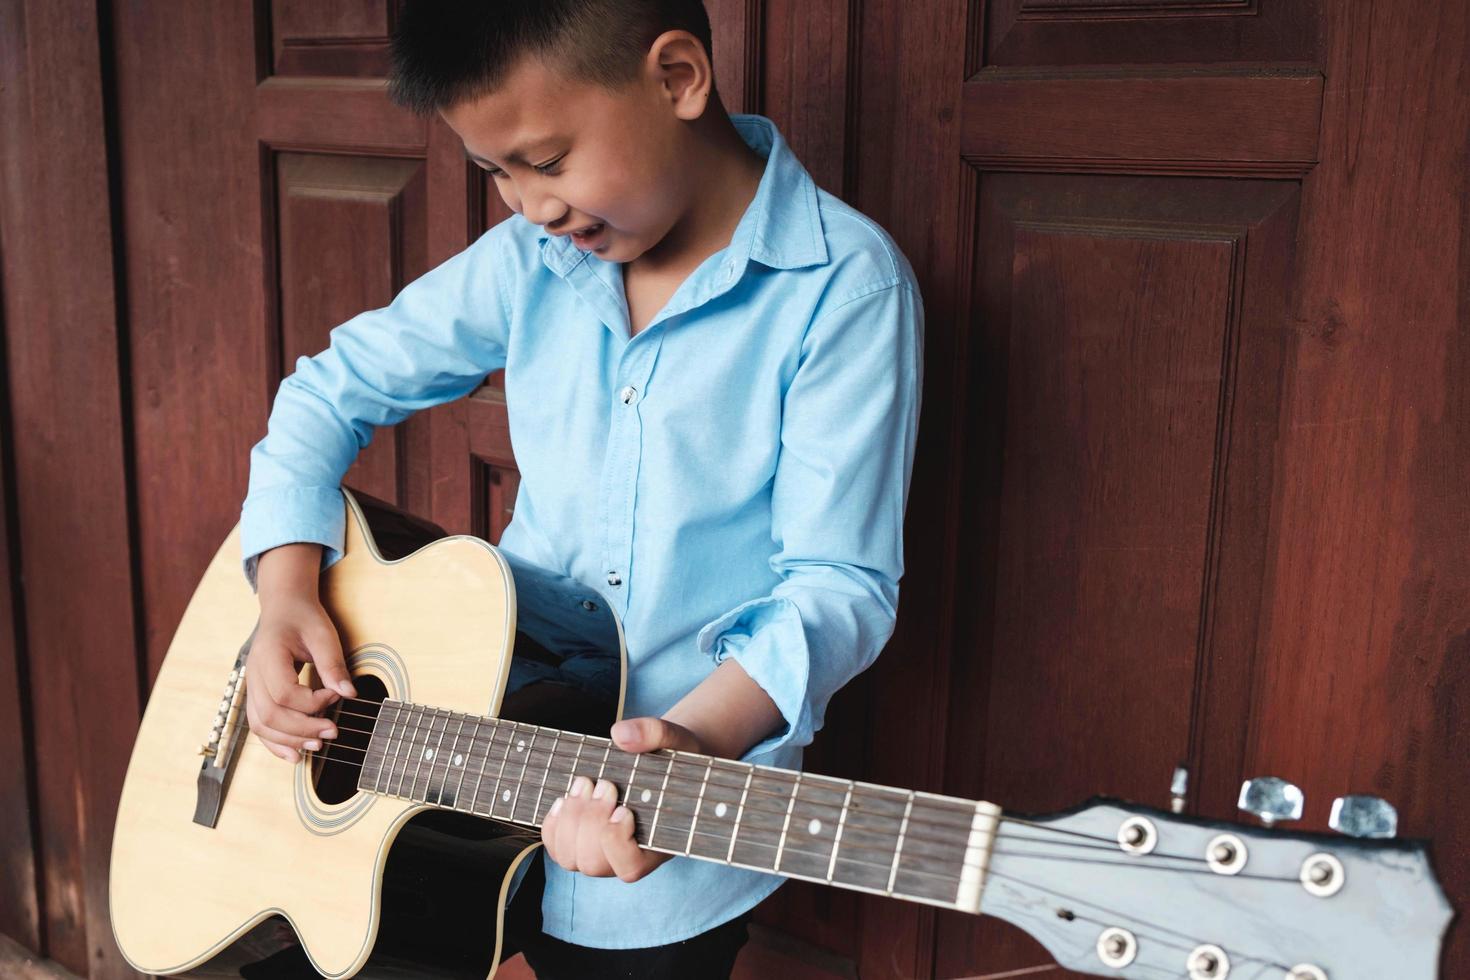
pixel 1190 483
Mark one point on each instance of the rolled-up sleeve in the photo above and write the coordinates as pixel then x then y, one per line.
pixel 849 421
pixel 435 342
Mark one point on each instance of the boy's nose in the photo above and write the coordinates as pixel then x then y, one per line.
pixel 543 211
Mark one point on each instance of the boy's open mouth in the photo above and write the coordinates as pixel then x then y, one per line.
pixel 588 237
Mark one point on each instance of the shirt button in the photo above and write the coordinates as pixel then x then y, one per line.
pixel 614 579
pixel 628 395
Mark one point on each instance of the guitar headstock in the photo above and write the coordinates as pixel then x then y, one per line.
pixel 1117 889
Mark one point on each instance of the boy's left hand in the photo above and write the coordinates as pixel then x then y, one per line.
pixel 588 831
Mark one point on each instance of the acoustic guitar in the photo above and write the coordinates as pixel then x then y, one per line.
pixel 485 684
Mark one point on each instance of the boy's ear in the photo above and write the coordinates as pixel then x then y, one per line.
pixel 683 69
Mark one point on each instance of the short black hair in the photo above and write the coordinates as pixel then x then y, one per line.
pixel 447 51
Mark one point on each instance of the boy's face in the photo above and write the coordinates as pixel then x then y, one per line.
pixel 568 155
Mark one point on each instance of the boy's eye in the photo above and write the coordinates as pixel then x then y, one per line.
pixel 545 168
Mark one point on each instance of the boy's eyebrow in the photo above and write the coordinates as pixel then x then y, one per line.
pixel 518 155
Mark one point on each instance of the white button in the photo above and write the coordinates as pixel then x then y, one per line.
pixel 614 579
pixel 628 395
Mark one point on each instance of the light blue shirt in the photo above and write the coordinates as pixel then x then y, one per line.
pixel 732 478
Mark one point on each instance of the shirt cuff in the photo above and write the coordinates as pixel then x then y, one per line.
pixel 288 515
pixel 766 638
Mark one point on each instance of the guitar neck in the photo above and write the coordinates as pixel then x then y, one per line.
pixel 914 846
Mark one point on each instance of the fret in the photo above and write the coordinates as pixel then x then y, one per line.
pixel 576 760
pixel 810 834
pixel 395 768
pixel 480 778
pixel 933 860
pixel 739 812
pixel 712 824
pixel 541 791
pixel 469 760
pixel 837 838
pixel 898 848
pixel 786 824
pixel 400 761
pixel 699 800
pixel 435 755
pixel 627 793
pixel 503 795
pixel 869 837
pixel 377 749
pixel 526 750
pixel 606 751
pixel 423 730
pixel 658 808
pixel 449 761
pixel 676 803
pixel 764 816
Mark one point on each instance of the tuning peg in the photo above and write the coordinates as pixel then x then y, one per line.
pixel 1363 816
pixel 1178 789
pixel 1270 799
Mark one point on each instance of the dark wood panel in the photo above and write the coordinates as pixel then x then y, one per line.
pixel 1366 632
pixel 352 234
pixel 735 35
pixel 70 479
pixel 199 361
pixel 332 37
pixel 20 915
pixel 341 113
pixel 909 178
pixel 1114 380
pixel 1143 121
pixel 1119 503
pixel 806 81
pixel 1120 32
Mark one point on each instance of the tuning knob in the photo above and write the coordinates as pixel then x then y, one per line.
pixel 1270 799
pixel 1363 816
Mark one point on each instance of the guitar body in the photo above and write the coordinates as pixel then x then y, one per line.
pixel 371 885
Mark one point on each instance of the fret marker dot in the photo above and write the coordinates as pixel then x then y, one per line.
pixel 647 795
pixel 719 809
pixel 505 796
pixel 521 745
pixel 458 760
pixel 428 755
pixel 815 827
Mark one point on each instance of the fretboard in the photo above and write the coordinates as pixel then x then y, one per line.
pixel 917 846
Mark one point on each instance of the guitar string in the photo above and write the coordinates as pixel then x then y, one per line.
pixel 1150 861
pixel 683 829
pixel 1145 930
pixel 738 785
pixel 533 778
pixel 1181 941
pixel 553 755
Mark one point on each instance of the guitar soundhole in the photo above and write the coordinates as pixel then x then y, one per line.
pixel 335 769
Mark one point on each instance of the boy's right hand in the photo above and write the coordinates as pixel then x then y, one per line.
pixel 294 629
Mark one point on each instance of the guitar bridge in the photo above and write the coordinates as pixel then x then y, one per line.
pixel 225 735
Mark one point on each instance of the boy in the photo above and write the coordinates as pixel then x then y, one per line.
pixel 712 376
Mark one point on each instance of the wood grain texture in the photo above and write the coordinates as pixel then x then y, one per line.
pixel 1364 647
pixel 67 406
pixel 1229 123
pixel 199 361
pixel 1150 32
pixel 20 915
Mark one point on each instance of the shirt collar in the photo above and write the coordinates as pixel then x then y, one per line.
pixel 781 227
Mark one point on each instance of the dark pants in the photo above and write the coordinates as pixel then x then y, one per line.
pixel 707 956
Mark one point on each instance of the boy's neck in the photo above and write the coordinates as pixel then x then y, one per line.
pixel 730 172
